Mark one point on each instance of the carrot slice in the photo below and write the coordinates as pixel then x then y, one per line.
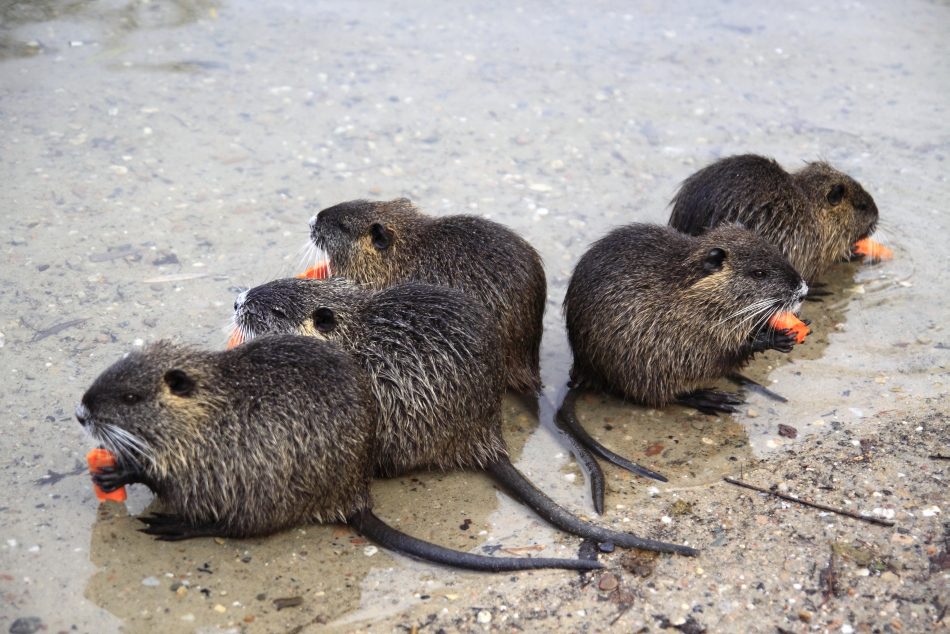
pixel 788 321
pixel 103 458
pixel 319 271
pixel 236 339
pixel 873 250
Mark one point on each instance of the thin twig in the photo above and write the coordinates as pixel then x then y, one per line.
pixel 866 518
pixel 939 456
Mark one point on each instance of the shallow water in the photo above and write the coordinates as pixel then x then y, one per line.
pixel 158 156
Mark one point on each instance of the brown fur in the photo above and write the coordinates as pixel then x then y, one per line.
pixel 814 216
pixel 650 316
pixel 273 434
pixel 431 353
pixel 381 244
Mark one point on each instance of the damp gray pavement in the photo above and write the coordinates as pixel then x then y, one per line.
pixel 158 156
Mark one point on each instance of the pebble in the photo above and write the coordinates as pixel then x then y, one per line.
pixel 925 339
pixel 484 616
pixel 523 139
pixel 150 581
pixel 26 625
pixel 606 547
pixel 220 608
pixel 752 413
pixel 804 615
pixel 863 572
pixel 889 576
pixel 608 582
pixel 369 551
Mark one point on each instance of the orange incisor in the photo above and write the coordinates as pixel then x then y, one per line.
pixel 873 250
pixel 788 321
pixel 236 339
pixel 319 271
pixel 98 458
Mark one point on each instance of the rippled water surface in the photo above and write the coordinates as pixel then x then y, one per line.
pixel 159 156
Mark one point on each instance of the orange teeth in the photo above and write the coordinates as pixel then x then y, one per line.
pixel 319 271
pixel 103 458
pixel 236 339
pixel 788 321
pixel 873 250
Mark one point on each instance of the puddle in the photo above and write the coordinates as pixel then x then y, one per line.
pixel 161 156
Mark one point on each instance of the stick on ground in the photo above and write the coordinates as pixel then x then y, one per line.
pixel 830 509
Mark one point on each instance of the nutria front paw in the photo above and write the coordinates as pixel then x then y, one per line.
pixel 109 479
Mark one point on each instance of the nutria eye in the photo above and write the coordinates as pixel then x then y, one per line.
pixel 759 274
pixel 131 399
pixel 836 195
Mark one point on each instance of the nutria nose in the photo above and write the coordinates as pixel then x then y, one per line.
pixel 82 414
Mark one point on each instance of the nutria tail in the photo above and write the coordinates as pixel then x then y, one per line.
pixel 374 528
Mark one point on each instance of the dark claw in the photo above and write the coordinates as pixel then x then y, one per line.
pixel 783 341
pixel 171 528
pixel 109 479
pixel 710 401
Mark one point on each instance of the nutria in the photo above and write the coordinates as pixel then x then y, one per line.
pixel 435 368
pixel 814 216
pixel 384 243
pixel 654 315
pixel 247 442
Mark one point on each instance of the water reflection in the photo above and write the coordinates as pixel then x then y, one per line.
pixel 114 20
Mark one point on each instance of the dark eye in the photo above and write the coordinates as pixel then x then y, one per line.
pixel 759 274
pixel 130 398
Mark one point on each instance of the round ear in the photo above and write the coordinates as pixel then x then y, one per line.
pixel 836 195
pixel 380 236
pixel 179 382
pixel 324 320
pixel 714 259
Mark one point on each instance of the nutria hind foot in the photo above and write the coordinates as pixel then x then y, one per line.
pixel 522 489
pixel 566 419
pixel 173 528
pixel 755 386
pixel 710 401
pixel 371 526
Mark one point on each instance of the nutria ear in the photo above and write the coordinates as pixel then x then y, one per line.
pixel 379 235
pixel 324 319
pixel 714 259
pixel 836 195
pixel 179 382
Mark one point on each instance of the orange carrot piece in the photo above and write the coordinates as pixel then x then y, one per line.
pixel 319 271
pixel 873 250
pixel 236 339
pixel 103 458
pixel 788 321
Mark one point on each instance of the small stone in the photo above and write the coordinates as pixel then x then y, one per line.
pixel 805 616
pixel 369 551
pixel 787 431
pixel 523 139
pixel 752 413
pixel 863 572
pixel 261 597
pixel 606 547
pixel 26 625
pixel 220 608
pixel 608 583
pixel 924 339
pixel 889 576
pixel 484 617
pixel 897 538
pixel 219 540
pixel 249 618
pixel 182 591
pixel 174 586
pixel 150 581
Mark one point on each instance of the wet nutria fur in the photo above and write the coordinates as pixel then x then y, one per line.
pixel 655 315
pixel 385 243
pixel 436 369
pixel 425 349
pixel 274 434
pixel 219 436
pixel 814 216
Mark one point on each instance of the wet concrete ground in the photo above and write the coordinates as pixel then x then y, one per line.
pixel 159 156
